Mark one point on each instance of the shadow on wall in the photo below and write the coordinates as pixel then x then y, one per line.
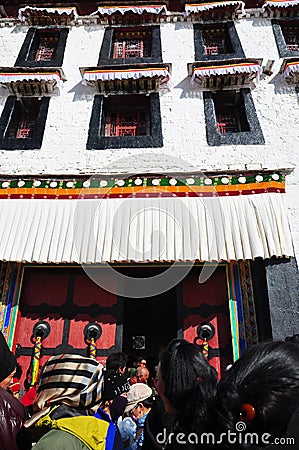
pixel 82 92
pixel 281 86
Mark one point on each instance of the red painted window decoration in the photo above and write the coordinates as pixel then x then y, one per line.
pixel 127 123
pixel 25 128
pixel 132 43
pixel 230 112
pixel 126 115
pixel 215 41
pixel 23 118
pixel 226 122
pixel 291 37
pixel 46 47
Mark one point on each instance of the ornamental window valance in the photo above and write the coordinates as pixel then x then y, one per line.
pixel 150 9
pixel 130 14
pixel 273 4
pixel 290 70
pixel 47 16
pixel 225 73
pixel 123 78
pixel 216 10
pixel 31 81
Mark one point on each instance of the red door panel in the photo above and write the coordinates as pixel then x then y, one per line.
pixel 208 302
pixel 68 300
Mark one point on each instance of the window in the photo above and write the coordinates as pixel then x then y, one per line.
pixel 43 48
pixel 216 41
pixel 230 112
pixel 22 123
pixel 136 45
pixel 122 121
pixel 231 118
pixel 286 34
pixel 131 43
pixel 127 123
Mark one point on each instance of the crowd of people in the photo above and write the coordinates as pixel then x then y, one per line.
pixel 78 404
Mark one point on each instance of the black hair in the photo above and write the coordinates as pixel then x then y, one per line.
pixel 116 361
pixel 140 358
pixel 190 383
pixel 266 377
pixel 148 402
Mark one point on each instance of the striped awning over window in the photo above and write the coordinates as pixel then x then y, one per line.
pixel 290 70
pixel 200 7
pixel 279 4
pixel 14 76
pixel 135 9
pixel 32 11
pixel 202 70
pixel 143 220
pixel 124 74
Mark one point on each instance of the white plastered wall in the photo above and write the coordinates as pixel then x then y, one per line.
pixel 185 146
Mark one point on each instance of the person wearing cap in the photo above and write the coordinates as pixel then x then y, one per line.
pixel 12 434
pixel 139 403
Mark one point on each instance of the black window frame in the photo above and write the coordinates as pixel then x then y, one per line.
pixel 31 143
pixel 252 137
pixel 30 38
pixel 279 37
pixel 107 47
pixel 230 30
pixel 96 141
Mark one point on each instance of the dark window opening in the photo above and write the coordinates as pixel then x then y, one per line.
pixel 43 48
pixel 138 44
pixel 22 123
pixel 216 41
pixel 46 46
pixel 125 121
pixel 129 119
pixel 131 43
pixel 23 119
pixel 291 37
pixel 129 123
pixel 231 118
pixel 230 112
pixel 286 33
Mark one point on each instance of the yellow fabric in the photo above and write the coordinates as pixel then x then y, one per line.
pixel 90 430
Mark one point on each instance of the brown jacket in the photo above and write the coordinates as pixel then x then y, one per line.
pixel 11 420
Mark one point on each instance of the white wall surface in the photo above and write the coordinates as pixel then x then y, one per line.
pixel 185 146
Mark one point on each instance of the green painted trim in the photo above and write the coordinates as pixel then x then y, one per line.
pixel 233 314
pixel 15 307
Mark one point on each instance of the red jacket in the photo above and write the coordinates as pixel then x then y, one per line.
pixel 11 420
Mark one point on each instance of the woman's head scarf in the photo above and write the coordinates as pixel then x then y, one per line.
pixel 72 380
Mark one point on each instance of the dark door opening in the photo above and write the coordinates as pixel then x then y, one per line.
pixel 149 324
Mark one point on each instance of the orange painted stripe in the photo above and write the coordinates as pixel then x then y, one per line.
pixel 132 189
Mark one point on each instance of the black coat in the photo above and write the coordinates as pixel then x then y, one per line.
pixel 12 435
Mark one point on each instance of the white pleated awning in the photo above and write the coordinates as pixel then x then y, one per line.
pixel 279 4
pixel 144 229
pixel 290 70
pixel 114 74
pixel 226 69
pixel 200 7
pixel 28 10
pixel 136 9
pixel 22 76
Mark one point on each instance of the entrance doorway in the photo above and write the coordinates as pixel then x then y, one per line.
pixel 149 324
